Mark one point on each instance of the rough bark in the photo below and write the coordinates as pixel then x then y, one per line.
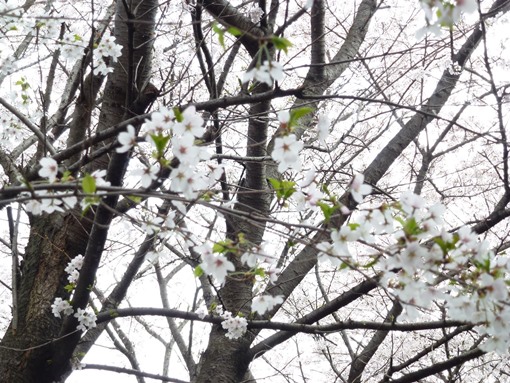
pixel 29 354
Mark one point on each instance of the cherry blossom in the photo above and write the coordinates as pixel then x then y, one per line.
pixel 255 13
pixel 286 152
pixel 359 189
pixel 49 169
pixel 191 124
pixel 201 312
pixel 267 73
pixel 185 180
pixel 235 326
pixel 216 265
pixel 147 175
pixel 86 319
pixel 127 139
pixel 262 303
pixel 61 306
pixel 152 226
pixel 323 128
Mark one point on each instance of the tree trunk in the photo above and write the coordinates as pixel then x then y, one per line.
pixel 27 353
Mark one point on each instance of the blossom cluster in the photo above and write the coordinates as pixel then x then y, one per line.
pixel 216 265
pixel 235 326
pixel 267 72
pixel 46 201
pixel 73 268
pixel 427 264
pixel 86 317
pixel 181 131
pixel 443 13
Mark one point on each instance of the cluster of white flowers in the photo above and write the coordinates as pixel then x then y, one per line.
pixel 262 303
pixel 286 149
pixel 181 131
pixel 443 13
pixel 73 268
pixel 428 264
pixel 235 326
pixel 255 13
pixel 73 46
pixel 107 48
pixel 60 306
pixel 216 265
pixel 268 72
pixel 45 201
pixel 86 317
pixel 309 194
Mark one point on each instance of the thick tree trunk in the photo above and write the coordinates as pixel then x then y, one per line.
pixel 27 352
pixel 54 240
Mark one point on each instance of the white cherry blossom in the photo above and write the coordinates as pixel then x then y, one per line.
pixel 262 303
pixel 191 124
pixel 359 189
pixel 216 265
pixel 127 139
pixel 286 152
pixel 323 128
pixel 49 169
pixel 147 174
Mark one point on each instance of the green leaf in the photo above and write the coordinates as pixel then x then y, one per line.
pixel 198 272
pixel 66 176
pixel 160 142
pixel 259 271
pixel 178 114
pixel 223 246
pixel 221 34
pixel 284 189
pixel 134 198
pixel 411 227
pixel 69 287
pixel 77 38
pixel 234 31
pixel 88 184
pixel 327 210
pixel 296 114
pixel 281 43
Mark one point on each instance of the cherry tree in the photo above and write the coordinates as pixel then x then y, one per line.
pixel 260 191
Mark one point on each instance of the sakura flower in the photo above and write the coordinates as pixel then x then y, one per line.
pixel 327 253
pixel 73 276
pixel 169 222
pixel 49 169
pixel 235 326
pixel 34 207
pixel 86 319
pixel 359 189
pixel 148 174
pixel 341 239
pixel 185 180
pixel 323 128
pixel 201 312
pixel 152 226
pixel 283 118
pixel 255 13
pixel 216 265
pixel 267 73
pixel 185 150
pixel 127 139
pixel 75 264
pixel 59 305
pixel 286 152
pixel 262 303
pixel 191 124
pixel 273 272
pixel 160 123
